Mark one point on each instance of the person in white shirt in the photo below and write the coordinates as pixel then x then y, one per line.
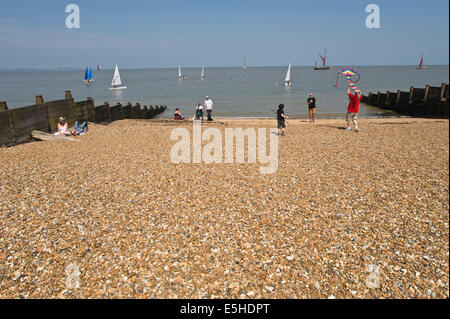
pixel 63 127
pixel 209 107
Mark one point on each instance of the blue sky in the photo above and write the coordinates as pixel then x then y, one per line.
pixel 220 33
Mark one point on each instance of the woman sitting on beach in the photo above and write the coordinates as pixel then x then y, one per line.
pixel 63 127
pixel 177 115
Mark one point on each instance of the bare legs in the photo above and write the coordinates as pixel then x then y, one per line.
pixel 352 117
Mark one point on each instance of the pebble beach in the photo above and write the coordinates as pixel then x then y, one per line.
pixel 346 215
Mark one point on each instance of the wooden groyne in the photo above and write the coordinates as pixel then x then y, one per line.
pixel 427 102
pixel 16 125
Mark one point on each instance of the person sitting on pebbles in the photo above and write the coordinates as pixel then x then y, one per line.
pixel 63 127
pixel 177 115
pixel 80 129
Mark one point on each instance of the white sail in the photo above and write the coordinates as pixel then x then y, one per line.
pixel 116 79
pixel 179 72
pixel 287 81
pixel 203 72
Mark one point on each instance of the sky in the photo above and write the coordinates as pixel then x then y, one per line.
pixel 192 33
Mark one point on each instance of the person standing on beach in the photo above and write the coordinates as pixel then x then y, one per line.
pixel 199 112
pixel 353 109
pixel 312 108
pixel 281 119
pixel 209 107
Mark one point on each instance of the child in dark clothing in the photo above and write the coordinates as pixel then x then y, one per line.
pixel 281 119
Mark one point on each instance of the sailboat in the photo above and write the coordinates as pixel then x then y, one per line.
pixel 287 81
pixel 421 67
pixel 88 78
pixel 203 74
pixel 116 81
pixel 181 76
pixel 244 66
pixel 324 62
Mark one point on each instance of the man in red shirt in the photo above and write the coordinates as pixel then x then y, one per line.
pixel 353 109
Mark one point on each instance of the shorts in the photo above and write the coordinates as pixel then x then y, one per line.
pixel 281 125
pixel 312 107
pixel 352 116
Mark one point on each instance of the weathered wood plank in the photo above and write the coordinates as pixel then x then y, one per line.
pixel 126 111
pixel 26 119
pixel 85 111
pixel 102 113
pixel 116 112
pixel 51 137
pixel 136 111
pixel 6 130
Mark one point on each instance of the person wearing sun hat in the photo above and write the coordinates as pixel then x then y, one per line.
pixel 63 127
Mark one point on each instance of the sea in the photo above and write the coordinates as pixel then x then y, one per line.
pixel 254 92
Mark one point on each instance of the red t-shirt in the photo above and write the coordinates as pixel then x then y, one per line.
pixel 353 106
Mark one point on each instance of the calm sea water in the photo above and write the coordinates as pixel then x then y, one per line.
pixel 236 92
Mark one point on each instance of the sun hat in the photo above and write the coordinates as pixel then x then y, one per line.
pixel 62 118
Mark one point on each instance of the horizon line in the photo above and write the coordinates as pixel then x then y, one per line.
pixel 74 68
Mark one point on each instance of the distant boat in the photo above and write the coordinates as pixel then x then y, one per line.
pixel 287 80
pixel 203 74
pixel 421 67
pixel 98 67
pixel 244 65
pixel 116 81
pixel 88 78
pixel 181 76
pixel 324 62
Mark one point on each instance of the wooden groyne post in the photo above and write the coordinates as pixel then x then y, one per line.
pixel 39 99
pixel 3 106
pixel 6 130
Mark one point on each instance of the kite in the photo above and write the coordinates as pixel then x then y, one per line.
pixel 349 73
